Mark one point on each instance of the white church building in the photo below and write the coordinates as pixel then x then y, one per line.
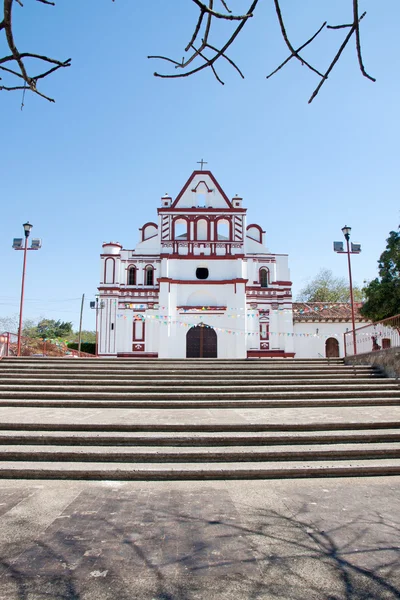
pixel 201 283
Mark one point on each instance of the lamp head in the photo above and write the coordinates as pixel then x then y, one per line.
pixel 346 232
pixel 27 228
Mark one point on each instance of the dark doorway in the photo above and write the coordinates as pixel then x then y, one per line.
pixel 331 348
pixel 201 342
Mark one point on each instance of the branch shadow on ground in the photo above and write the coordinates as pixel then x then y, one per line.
pixel 175 549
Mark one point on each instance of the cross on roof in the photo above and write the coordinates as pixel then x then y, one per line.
pixel 202 162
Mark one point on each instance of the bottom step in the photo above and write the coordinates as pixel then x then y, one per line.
pixel 189 471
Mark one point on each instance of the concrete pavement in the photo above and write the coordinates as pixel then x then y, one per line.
pixel 300 540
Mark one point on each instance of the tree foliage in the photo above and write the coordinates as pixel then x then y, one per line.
pixel 50 329
pixel 325 287
pixel 383 293
pixel 207 46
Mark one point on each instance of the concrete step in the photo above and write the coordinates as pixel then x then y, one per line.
pixel 105 393
pixel 213 403
pixel 201 471
pixel 171 361
pixel 100 377
pixel 188 384
pixel 149 454
pixel 215 390
pixel 193 439
pixel 156 368
pixel 300 422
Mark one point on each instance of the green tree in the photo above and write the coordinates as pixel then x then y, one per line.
pixel 49 328
pixel 325 287
pixel 383 293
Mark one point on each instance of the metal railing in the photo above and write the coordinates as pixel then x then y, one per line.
pixel 373 337
pixel 36 347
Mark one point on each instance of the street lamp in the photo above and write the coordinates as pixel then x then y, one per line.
pixel 17 245
pixel 355 249
pixel 96 305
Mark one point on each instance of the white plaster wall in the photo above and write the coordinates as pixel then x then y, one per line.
pixel 282 267
pixel 107 334
pixel 218 269
pixel 213 199
pixel 308 343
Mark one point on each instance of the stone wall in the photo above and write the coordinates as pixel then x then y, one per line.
pixel 388 360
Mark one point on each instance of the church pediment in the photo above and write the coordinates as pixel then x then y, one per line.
pixel 202 190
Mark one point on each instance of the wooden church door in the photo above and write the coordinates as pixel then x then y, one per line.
pixel 201 342
pixel 331 348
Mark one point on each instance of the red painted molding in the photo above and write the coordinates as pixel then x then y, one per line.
pixel 201 210
pixel 269 354
pixel 143 230
pixel 201 281
pixel 134 355
pixel 283 283
pixel 111 244
pixel 202 257
pixel 215 182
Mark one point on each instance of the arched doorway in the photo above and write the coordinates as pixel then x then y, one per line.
pixel 201 342
pixel 331 348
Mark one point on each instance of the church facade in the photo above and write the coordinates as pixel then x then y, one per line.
pixel 202 283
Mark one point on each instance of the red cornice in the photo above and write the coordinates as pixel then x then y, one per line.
pixel 111 244
pixel 201 210
pixel 283 283
pixel 203 256
pixel 201 281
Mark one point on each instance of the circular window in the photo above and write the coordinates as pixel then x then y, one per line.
pixel 201 273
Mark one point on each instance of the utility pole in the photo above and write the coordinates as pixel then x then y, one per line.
pixel 80 326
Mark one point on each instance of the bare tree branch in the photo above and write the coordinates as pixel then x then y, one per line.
pixel 202 52
pixel 220 51
pixel 17 58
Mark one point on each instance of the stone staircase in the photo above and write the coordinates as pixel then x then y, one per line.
pixel 196 419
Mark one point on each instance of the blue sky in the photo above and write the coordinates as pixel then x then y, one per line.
pixel 93 166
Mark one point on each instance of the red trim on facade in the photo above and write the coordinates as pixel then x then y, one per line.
pixel 173 224
pixel 111 244
pixel 289 283
pixel 215 182
pixel 229 220
pixel 200 210
pixel 134 355
pixel 269 354
pixel 143 230
pixel 203 257
pixel 201 281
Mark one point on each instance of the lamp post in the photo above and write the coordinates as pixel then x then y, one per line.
pixel 17 245
pixel 355 249
pixel 96 305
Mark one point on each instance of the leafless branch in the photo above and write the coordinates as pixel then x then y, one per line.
pixel 16 58
pixel 205 44
pixel 202 31
pixel 202 52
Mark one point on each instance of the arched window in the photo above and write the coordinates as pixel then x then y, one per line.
pixel 223 230
pixel 131 276
pixel 180 229
pixel 202 229
pixel 149 276
pixel 264 278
